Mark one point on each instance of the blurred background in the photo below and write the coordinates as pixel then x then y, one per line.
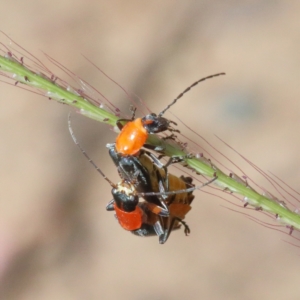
pixel 56 239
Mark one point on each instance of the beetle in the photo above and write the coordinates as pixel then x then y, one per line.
pixel 146 218
pixel 133 135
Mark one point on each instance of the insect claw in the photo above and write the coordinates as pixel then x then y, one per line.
pixel 133 110
pixel 170 137
pixel 187 230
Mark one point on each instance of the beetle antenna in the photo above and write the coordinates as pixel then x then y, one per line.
pixel 179 191
pixel 186 90
pixel 85 154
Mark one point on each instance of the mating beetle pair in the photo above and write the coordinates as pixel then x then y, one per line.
pixel 167 197
pixel 149 218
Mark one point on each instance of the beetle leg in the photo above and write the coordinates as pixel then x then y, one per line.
pixel 163 185
pixel 160 165
pixel 119 123
pixel 174 160
pixel 172 136
pixel 160 231
pixel 133 110
pixel 187 230
pixel 171 129
pixel 154 158
pixel 145 230
pixel 168 230
pixel 172 122
pixel 154 148
pixel 164 210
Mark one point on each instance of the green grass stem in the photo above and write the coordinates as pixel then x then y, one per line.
pixel 24 75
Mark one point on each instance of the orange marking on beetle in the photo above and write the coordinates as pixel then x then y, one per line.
pixel 129 220
pixel 132 137
pixel 154 208
pixel 179 210
pixel 147 122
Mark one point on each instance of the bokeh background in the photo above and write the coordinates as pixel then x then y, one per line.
pixel 56 239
